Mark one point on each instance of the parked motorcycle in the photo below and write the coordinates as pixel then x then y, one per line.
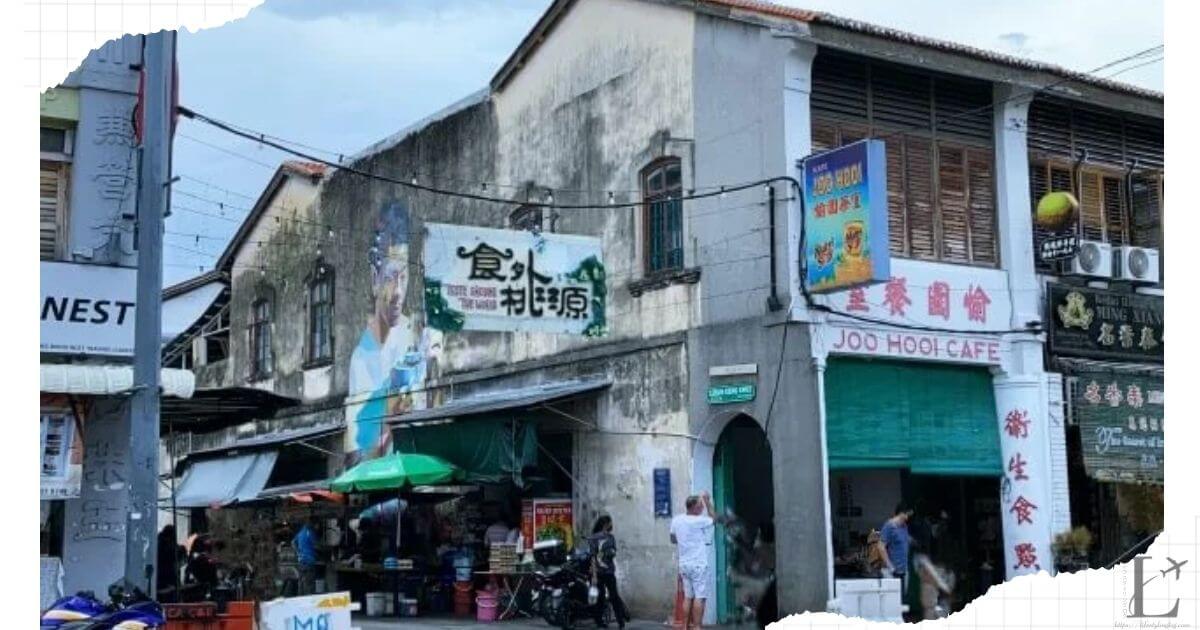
pixel 565 593
pixel 125 610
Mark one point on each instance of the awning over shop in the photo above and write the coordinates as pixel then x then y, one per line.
pixel 504 400
pixel 214 409
pixel 225 480
pixel 106 380
pixel 490 450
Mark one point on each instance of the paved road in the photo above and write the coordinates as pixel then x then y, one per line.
pixel 365 623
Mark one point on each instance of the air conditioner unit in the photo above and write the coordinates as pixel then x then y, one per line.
pixel 1094 259
pixel 1137 264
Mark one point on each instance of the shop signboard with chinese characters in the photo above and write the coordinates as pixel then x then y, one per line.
pixel 1120 420
pixel 509 280
pixel 972 302
pixel 845 215
pixel 1101 324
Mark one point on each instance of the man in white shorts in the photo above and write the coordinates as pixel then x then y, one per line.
pixel 692 533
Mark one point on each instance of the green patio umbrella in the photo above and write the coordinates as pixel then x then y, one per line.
pixel 397 471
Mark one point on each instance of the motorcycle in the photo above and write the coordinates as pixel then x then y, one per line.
pixel 564 593
pixel 125 610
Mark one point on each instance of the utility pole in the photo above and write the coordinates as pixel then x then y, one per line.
pixel 158 59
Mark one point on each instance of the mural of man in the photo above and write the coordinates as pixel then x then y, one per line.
pixel 390 361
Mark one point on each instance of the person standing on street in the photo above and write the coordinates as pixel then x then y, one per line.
pixel 604 548
pixel 305 543
pixel 897 541
pixel 692 533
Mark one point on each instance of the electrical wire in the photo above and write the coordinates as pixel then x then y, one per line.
pixel 809 301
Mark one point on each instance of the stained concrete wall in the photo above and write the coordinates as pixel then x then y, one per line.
pixel 786 406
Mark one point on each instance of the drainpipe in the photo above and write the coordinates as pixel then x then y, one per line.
pixel 773 303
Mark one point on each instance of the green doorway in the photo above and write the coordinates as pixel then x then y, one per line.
pixel 743 485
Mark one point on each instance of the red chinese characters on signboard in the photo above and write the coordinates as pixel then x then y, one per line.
pixel 1016 465
pixel 976 302
pixel 1016 423
pixel 1023 509
pixel 939 300
pixel 895 296
pixel 1026 556
pixel 858 300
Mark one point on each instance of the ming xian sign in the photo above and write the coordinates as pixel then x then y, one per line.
pixel 508 280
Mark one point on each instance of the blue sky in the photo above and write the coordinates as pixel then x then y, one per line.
pixel 342 75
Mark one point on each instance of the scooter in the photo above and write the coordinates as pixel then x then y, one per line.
pixel 565 593
pixel 125 611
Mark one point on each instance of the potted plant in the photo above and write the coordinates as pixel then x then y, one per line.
pixel 1071 549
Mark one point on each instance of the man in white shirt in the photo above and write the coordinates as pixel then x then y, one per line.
pixel 692 533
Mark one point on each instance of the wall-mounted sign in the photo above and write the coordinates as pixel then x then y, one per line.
pixel 1058 233
pixel 1121 426
pixel 741 369
pixel 62 456
pixel 662 492
pixel 731 393
pixel 927 294
pixel 845 214
pixel 87 309
pixel 1105 324
pixel 508 280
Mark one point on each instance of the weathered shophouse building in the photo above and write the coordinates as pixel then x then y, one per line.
pixel 618 101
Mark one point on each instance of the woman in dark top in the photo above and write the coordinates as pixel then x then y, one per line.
pixel 604 551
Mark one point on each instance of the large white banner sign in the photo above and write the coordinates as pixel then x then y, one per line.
pixel 508 280
pixel 87 309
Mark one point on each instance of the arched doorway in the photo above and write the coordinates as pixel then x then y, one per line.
pixel 743 485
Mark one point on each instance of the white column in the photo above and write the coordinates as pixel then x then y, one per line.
pixel 1026 511
pixel 1015 223
pixel 797 128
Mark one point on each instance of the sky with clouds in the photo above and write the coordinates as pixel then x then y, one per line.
pixel 341 75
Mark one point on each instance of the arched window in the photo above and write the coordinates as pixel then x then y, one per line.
pixel 527 218
pixel 662 215
pixel 320 315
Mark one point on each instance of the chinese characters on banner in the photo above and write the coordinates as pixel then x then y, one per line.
pixel 923 294
pixel 507 280
pixel 1024 488
pixel 845 213
pixel 1121 426
pixel 1099 324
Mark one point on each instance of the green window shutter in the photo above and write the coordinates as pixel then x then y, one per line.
pixel 931 419
pixel 866 415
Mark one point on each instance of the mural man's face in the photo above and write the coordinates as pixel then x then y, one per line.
pixel 389 292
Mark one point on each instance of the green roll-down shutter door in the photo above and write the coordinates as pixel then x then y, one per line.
pixel 931 419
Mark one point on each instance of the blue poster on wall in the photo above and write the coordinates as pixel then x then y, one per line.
pixel 846 220
pixel 662 492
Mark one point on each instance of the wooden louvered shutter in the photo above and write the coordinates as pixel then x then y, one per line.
pixel 981 196
pixel 1039 185
pixel 1091 206
pixel 824 135
pixel 1146 224
pixel 53 200
pixel 919 180
pixel 952 201
pixel 1115 227
pixel 897 199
